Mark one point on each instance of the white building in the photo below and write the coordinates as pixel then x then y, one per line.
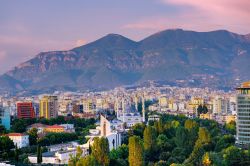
pixel 19 139
pixel 130 119
pixel 108 130
pixel 128 115
pixel 154 117
pixel 68 127
pixel 220 105
pixel 59 154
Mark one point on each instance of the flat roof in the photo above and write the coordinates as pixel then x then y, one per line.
pixel 244 86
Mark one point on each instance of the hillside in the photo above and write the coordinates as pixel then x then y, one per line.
pixel 214 59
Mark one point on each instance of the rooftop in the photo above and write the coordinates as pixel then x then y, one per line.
pixel 37 125
pixel 16 134
pixel 245 85
pixel 55 126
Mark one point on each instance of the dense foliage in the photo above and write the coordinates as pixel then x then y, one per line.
pixel 179 141
pixel 11 153
pixel 20 125
pixel 99 155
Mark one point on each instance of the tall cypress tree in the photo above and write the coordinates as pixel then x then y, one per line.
pixel 100 150
pixel 149 138
pixel 135 151
pixel 39 154
pixel 16 154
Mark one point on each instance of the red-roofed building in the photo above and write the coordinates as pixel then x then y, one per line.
pixel 39 126
pixel 25 110
pixel 54 129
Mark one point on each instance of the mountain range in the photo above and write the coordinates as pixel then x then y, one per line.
pixel 215 59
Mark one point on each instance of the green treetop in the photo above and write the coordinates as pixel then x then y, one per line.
pixel 135 151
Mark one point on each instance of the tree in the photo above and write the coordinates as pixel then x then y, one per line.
pixel 6 144
pixel 33 136
pixel 190 124
pixel 233 156
pixel 135 151
pixel 137 130
pixel 161 163
pixel 231 127
pixel 121 152
pixel 16 154
pixel 203 136
pixel 159 126
pixel 175 124
pixel 163 143
pixel 224 142
pixel 19 126
pixel 206 161
pixel 204 139
pixel 100 150
pixel 74 160
pixel 119 156
pixel 202 109
pixel 87 161
pixel 39 154
pixel 2 129
pixel 181 139
pixel 149 138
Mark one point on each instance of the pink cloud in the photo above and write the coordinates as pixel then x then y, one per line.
pixel 80 42
pixel 26 47
pixel 146 24
pixel 3 55
pixel 201 15
pixel 223 7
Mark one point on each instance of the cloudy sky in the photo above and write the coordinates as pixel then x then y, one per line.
pixel 28 27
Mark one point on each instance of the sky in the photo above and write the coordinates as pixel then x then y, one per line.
pixel 28 27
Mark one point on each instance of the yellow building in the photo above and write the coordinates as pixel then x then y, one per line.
pixel 163 102
pixel 195 102
pixel 205 116
pixel 230 118
pixel 54 129
pixel 88 105
pixel 48 107
pixel 171 104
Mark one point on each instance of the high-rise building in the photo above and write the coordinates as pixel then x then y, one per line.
pixel 88 105
pixel 48 107
pixel 5 117
pixel 221 105
pixel 243 114
pixel 25 110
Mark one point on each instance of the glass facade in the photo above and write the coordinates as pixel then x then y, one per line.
pixel 5 117
pixel 243 116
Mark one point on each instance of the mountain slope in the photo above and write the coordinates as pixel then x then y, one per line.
pixel 218 57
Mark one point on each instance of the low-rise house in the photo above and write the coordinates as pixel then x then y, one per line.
pixel 54 129
pixel 39 126
pixel 20 140
pixel 63 146
pixel 57 157
pixel 154 117
pixel 69 128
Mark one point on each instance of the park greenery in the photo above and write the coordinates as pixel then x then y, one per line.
pixel 8 151
pixel 174 141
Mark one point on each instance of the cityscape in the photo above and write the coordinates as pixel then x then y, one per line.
pixel 169 96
